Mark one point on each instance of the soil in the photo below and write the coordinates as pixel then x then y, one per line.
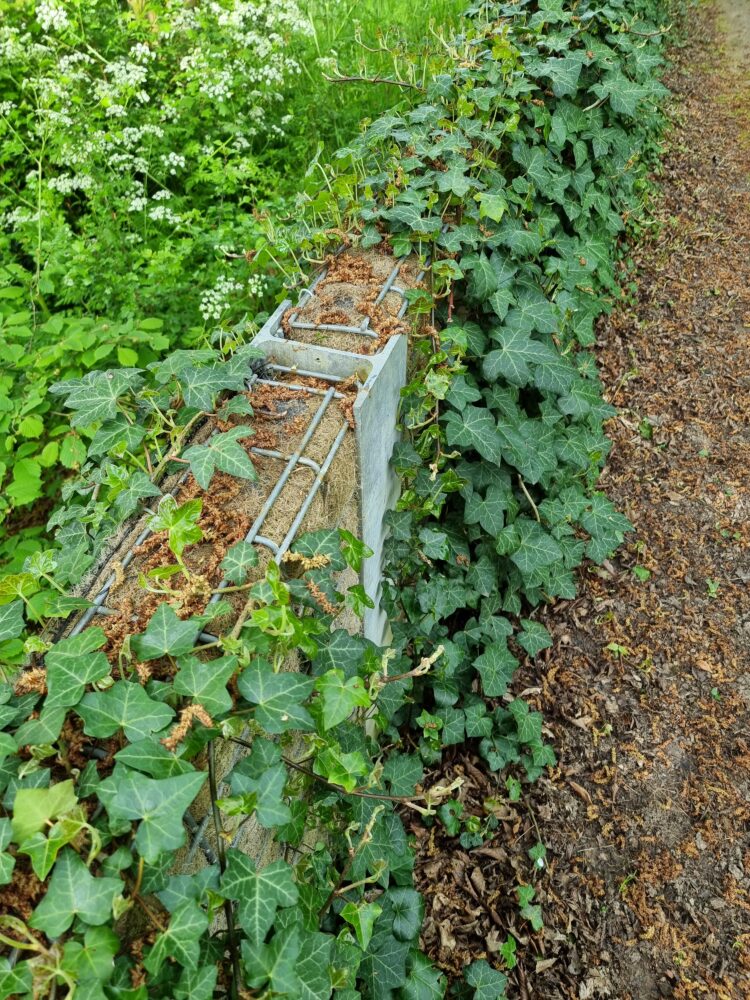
pixel 347 295
pixel 646 691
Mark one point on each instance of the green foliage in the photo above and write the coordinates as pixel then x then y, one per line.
pixel 513 172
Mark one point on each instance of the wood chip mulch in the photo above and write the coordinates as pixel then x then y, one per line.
pixel 646 819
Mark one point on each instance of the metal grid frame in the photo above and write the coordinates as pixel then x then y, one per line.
pixel 253 536
pixel 363 330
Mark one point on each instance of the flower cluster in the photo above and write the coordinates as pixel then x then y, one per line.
pixel 135 125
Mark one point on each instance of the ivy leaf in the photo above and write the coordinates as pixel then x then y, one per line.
pixel 158 803
pixel 152 758
pixel 274 963
pixel 384 967
pixel 201 384
pixel 488 983
pixel 124 706
pixel 474 428
pixel 92 961
pixel 199 984
pixel 33 808
pixel 258 893
pixel 516 352
pixel 116 435
pixel 606 526
pixel 11 620
pixel 362 917
pixel 222 452
pixel 180 520
pixel 340 768
pixel 74 892
pixel 313 966
pixel 338 697
pixel 166 633
pixel 489 511
pixel 278 697
pixel 239 559
pixel 496 667
pixel 624 94
pixel 407 908
pixel 528 724
pixel 181 941
pixel 137 488
pixel 534 637
pixel 537 549
pixel 96 395
pixel 72 664
pixel 15 981
pixel 425 982
pixel 206 683
pixel 266 791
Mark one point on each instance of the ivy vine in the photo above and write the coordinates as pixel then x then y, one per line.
pixel 517 175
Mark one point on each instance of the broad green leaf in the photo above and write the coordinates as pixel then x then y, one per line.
pixel 516 352
pixel 474 428
pixel 362 917
pixel 258 893
pixel 537 549
pixel 496 667
pixel 74 892
pixel 534 637
pixel 150 757
pixel 35 807
pixel 124 706
pixel 159 804
pixel 15 981
pixel 95 396
pixel 179 520
pixel 166 633
pixel 206 683
pixel 313 966
pixel 222 452
pixel 201 384
pixel 424 982
pixel 338 697
pixel 240 558
pixel 265 792
pixel 487 983
pixel 91 961
pixel 72 664
pixel 181 941
pixel 278 697
pixel 341 768
pixel 11 620
pixel 407 908
pixel 274 964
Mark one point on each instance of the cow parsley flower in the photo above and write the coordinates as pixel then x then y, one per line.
pixel 51 16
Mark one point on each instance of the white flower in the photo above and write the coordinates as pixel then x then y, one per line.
pixel 51 16
pixel 215 301
pixel 174 162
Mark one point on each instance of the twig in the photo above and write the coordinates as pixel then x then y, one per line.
pixel 526 493
pixel 374 79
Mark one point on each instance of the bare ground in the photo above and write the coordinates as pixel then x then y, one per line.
pixel 647 817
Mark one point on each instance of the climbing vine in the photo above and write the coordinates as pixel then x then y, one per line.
pixel 515 175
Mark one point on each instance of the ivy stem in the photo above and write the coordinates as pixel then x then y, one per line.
pixel 526 493
pixel 228 908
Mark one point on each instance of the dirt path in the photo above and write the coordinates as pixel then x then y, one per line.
pixel 647 689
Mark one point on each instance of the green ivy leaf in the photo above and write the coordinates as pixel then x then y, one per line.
pixel 537 548
pixel 74 892
pixel 488 983
pixel 91 962
pixel 496 667
pixel 338 697
pixel 258 893
pixel 274 963
pixel 425 982
pixel 95 396
pixel 124 706
pixel 222 452
pixel 158 803
pixel 72 664
pixel 11 620
pixel 278 697
pixel 166 633
pixel 240 558
pixel 181 941
pixel 534 637
pixel 362 917
pixel 33 808
pixel 206 683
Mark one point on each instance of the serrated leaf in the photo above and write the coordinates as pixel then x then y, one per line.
pixel 258 893
pixel 72 664
pixel 74 892
pixel 124 706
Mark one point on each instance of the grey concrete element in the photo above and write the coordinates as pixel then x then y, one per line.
pixel 381 377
